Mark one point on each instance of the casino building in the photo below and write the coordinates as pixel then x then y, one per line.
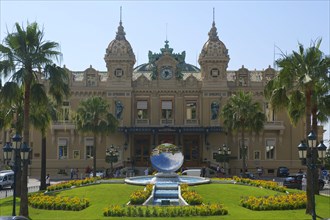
pixel 168 100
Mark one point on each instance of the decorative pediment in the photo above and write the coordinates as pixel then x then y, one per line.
pixel 269 73
pixel 142 80
pixel 167 58
pixel 191 80
pixel 242 76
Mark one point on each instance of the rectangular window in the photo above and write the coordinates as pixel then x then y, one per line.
pixel 89 145
pixel 270 149
pixel 256 155
pixel 191 110
pixel 76 154
pixel 91 80
pixel 243 151
pixel 142 109
pixel 65 114
pixel 167 109
pixel 62 149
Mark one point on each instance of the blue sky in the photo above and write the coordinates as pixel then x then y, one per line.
pixel 249 29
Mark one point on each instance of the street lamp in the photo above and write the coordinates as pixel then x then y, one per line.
pixel 111 156
pixel 20 151
pixel 307 152
pixel 322 150
pixel 224 153
pixel 224 150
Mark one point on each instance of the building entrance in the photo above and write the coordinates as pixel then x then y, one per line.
pixel 191 148
pixel 170 139
pixel 141 152
pixel 191 151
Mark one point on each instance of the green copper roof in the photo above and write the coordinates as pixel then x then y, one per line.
pixel 182 66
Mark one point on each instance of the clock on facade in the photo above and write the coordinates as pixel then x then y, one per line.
pixel 166 73
pixel 119 72
pixel 214 72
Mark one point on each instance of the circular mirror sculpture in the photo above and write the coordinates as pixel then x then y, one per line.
pixel 166 158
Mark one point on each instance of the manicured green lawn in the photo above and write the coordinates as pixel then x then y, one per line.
pixel 103 195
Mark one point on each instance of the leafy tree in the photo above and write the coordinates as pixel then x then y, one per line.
pixel 327 160
pixel 25 59
pixel 11 101
pixel 241 114
pixel 93 116
pixel 41 116
pixel 11 113
pixel 302 89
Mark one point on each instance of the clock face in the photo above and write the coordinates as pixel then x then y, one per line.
pixel 166 73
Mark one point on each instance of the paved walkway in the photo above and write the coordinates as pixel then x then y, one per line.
pixel 34 184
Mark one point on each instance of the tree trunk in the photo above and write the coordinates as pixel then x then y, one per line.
pixel 243 150
pixel 310 207
pixel 24 209
pixel 94 157
pixel 315 153
pixel 308 95
pixel 43 164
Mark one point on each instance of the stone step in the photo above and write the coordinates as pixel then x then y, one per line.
pixel 167 186
pixel 166 201
pixel 159 193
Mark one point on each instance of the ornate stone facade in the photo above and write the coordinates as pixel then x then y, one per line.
pixel 168 100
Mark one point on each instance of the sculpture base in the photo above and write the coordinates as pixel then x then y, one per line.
pixel 165 178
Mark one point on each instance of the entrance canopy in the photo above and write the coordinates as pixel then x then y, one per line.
pixel 166 129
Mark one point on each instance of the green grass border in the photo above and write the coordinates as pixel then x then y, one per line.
pixel 103 195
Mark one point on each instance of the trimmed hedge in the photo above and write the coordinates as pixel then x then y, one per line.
pixel 71 183
pixel 41 201
pixel 277 202
pixel 165 211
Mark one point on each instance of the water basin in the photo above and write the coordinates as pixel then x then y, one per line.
pixel 144 180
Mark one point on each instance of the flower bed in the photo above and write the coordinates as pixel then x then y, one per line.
pixel 69 184
pixel 260 183
pixel 277 202
pixel 190 196
pixel 165 211
pixel 140 196
pixel 41 201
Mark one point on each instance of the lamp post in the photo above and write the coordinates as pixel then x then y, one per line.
pixel 20 151
pixel 224 153
pixel 308 152
pixel 111 156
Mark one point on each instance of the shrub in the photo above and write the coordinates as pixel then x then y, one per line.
pixel 192 198
pixel 138 197
pixel 71 183
pixel 184 187
pixel 41 201
pixel 277 202
pixel 261 183
pixel 165 211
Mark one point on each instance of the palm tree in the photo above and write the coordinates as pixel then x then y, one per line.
pixel 41 117
pixel 26 58
pixel 93 116
pixel 301 88
pixel 241 114
pixel 11 96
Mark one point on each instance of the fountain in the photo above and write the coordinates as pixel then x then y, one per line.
pixel 166 159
